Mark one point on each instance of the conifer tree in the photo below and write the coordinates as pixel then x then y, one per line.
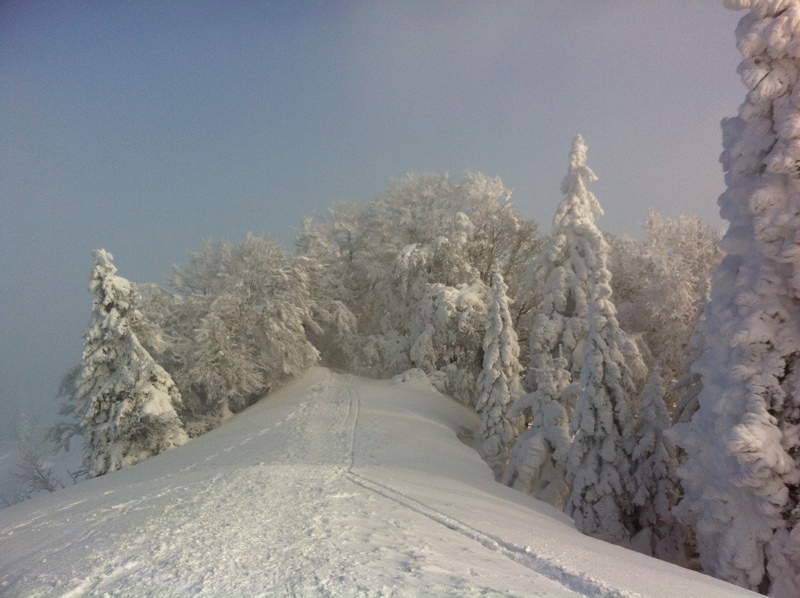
pixel 499 381
pixel 654 470
pixel 569 267
pixel 741 478
pixel 127 400
pixel 537 462
pixel 572 275
pixel 599 469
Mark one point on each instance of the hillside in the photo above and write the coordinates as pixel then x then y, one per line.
pixel 333 486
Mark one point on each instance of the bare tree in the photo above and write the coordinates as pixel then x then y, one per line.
pixel 34 472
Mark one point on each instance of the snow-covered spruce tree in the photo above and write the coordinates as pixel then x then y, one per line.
pixel 741 477
pixel 128 401
pixel 572 275
pixel 599 468
pixel 567 270
pixel 499 381
pixel 656 480
pixel 537 462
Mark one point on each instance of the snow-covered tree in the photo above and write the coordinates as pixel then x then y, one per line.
pixel 434 326
pixel 68 424
pixel 328 249
pixel 573 278
pixel 411 236
pixel 568 268
pixel 655 478
pixel 687 388
pixel 499 381
pixel 413 266
pixel 659 282
pixel 599 468
pixel 537 462
pixel 127 400
pixel 502 236
pixel 741 477
pixel 241 322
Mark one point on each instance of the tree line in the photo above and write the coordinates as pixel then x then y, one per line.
pixel 443 277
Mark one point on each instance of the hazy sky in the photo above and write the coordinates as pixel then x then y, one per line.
pixel 145 127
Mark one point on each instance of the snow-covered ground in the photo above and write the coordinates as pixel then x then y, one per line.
pixel 333 486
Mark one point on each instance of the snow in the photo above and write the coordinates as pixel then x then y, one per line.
pixel 332 486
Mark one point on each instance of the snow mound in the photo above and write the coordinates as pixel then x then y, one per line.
pixel 414 378
pixel 333 486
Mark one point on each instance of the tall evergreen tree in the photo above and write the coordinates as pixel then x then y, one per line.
pixel 741 477
pixel 572 275
pixel 127 400
pixel 562 269
pixel 499 381
pixel 599 468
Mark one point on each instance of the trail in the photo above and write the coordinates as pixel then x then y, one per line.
pixel 522 556
pixel 334 486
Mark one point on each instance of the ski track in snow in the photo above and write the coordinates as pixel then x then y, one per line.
pixel 298 507
pixel 523 556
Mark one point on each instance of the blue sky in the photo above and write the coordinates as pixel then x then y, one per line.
pixel 146 127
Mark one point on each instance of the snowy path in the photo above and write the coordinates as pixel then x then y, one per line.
pixel 334 486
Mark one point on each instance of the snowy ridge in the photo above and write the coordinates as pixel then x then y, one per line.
pixel 333 486
pixel 572 580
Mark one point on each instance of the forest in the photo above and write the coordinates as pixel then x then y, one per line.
pixel 647 387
